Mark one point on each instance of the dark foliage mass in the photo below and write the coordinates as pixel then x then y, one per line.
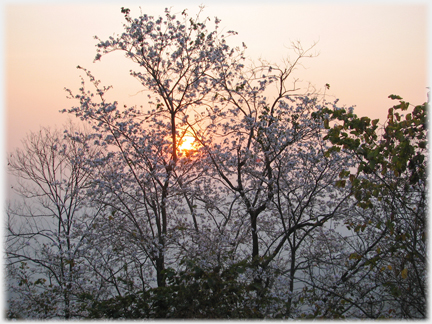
pixel 283 206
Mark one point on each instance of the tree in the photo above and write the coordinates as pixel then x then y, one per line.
pixel 44 234
pixel 390 185
pixel 179 62
pixel 271 163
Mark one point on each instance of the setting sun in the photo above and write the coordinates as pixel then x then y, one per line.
pixel 187 143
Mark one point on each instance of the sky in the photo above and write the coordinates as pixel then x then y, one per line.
pixel 365 51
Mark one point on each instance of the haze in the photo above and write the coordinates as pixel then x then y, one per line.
pixel 366 52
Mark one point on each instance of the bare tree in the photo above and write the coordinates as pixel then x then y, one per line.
pixel 44 231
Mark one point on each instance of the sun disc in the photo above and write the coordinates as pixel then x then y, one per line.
pixel 187 143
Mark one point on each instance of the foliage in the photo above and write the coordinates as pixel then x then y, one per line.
pixel 193 292
pixel 390 185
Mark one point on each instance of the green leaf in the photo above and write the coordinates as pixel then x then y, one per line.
pixel 395 97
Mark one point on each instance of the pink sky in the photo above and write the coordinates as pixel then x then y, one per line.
pixel 367 52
